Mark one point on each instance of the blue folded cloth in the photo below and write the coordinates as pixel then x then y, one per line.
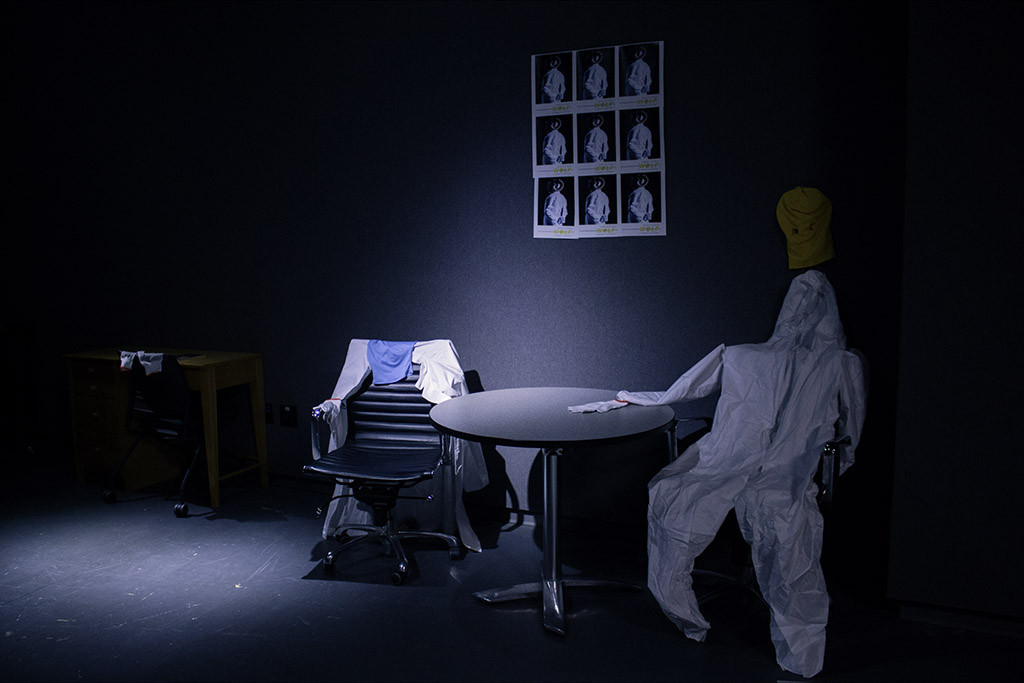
pixel 389 361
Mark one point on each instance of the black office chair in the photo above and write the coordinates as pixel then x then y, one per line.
pixel 161 408
pixel 391 445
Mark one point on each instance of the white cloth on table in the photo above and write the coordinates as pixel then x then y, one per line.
pixel 598 406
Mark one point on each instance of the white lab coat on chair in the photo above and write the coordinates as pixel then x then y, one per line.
pixel 441 378
pixel 780 402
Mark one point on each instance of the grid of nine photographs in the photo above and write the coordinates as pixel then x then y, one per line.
pixel 598 142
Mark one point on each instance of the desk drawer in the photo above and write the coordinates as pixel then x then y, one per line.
pixel 98 414
pixel 94 377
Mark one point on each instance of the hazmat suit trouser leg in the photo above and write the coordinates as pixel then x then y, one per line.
pixel 785 534
pixel 685 511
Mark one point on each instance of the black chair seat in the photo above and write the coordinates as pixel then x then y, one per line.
pixel 394 464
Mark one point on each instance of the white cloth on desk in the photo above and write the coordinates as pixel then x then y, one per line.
pixel 780 402
pixel 441 378
pixel 151 362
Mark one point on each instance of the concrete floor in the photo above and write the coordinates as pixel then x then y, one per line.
pixel 128 592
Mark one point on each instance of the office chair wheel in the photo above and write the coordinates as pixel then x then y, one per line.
pixel 397 577
pixel 109 496
pixel 181 510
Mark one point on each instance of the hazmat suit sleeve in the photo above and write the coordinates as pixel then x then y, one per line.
pixel 852 406
pixel 703 379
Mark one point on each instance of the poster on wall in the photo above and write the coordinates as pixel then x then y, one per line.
pixel 599 142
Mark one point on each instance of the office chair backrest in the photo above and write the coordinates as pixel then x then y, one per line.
pixel 163 395
pixel 391 416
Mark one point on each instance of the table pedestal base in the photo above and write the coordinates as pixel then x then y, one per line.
pixel 552 582
pixel 553 593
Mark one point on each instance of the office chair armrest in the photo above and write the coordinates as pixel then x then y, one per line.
pixel 697 418
pixel 678 443
pixel 319 417
pixel 830 469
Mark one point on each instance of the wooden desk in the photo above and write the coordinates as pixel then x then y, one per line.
pixel 99 395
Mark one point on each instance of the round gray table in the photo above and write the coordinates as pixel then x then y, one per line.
pixel 539 417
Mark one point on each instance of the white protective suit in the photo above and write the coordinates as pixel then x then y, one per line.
pixel 595 145
pixel 780 402
pixel 553 85
pixel 641 205
pixel 595 82
pixel 638 78
pixel 556 208
pixel 639 142
pixel 554 148
pixel 441 378
pixel 597 207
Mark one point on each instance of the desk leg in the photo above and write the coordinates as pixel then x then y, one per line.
pixel 208 396
pixel 259 420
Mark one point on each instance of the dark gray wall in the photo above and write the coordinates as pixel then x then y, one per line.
pixel 282 177
pixel 956 509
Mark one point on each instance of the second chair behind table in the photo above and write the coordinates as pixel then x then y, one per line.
pixel 162 409
pixel 390 446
